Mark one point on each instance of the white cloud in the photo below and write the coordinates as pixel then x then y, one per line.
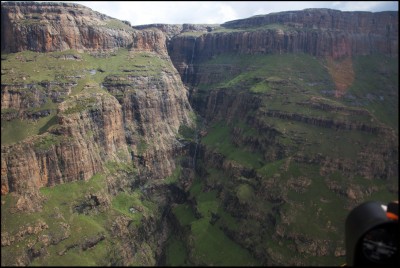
pixel 224 12
pixel 218 12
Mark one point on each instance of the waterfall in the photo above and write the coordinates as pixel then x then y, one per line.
pixel 185 75
pixel 190 65
pixel 194 46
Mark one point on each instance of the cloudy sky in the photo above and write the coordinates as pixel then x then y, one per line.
pixel 211 12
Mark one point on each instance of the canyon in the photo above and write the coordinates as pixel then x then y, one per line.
pixel 163 144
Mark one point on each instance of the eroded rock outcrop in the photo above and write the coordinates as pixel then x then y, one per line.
pixel 62 26
pixel 25 100
pixel 142 114
pixel 153 110
pixel 90 132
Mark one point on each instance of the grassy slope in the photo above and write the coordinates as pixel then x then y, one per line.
pixel 304 76
pixel 375 86
pixel 283 81
pixel 209 245
pixel 60 201
pixel 88 70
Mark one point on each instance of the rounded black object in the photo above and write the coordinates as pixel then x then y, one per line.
pixel 371 237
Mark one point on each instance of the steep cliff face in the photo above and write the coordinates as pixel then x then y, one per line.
pixel 319 18
pixel 101 108
pixel 22 100
pixel 319 32
pixel 63 26
pixel 90 130
pixel 286 137
pixel 105 109
pixel 143 113
pixel 75 150
pixel 354 32
pixel 153 110
pixel 51 27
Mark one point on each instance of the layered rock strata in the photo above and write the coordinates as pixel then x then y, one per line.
pixel 63 26
pixel 75 149
pixel 319 32
pixel 136 124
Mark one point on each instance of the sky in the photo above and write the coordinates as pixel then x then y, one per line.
pixel 217 12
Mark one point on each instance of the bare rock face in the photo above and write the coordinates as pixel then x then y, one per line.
pixel 92 128
pixel 61 26
pixel 19 98
pixel 87 136
pixel 319 32
pixel 142 113
pixel 322 18
pixel 170 30
pixel 150 41
pixel 332 32
pixel 57 26
pixel 153 110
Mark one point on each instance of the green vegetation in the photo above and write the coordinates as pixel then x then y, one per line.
pixel 279 189
pixel 63 220
pixel 187 132
pixel 71 66
pixel 293 79
pixel 82 72
pixel 322 140
pixel 194 34
pixel 174 177
pixel 376 86
pixel 142 146
pixel 210 244
pixel 308 124
pixel 266 27
pixel 81 104
pixel 18 129
pixel 279 70
pixel 46 141
pixel 272 168
pixel 118 25
pixel 261 87
pixel 213 247
pixel 219 138
pixel 207 203
pixel 176 252
pixel 184 214
pixel 130 205
pixel 244 193
pixel 115 167
pixel 58 207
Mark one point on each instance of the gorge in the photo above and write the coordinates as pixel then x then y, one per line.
pixel 245 143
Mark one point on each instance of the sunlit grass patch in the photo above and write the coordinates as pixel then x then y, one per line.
pixel 213 247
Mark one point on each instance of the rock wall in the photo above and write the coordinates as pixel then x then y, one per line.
pixel 137 123
pixel 319 32
pixel 153 110
pixel 148 109
pixel 62 26
pixel 322 18
pixel 75 150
